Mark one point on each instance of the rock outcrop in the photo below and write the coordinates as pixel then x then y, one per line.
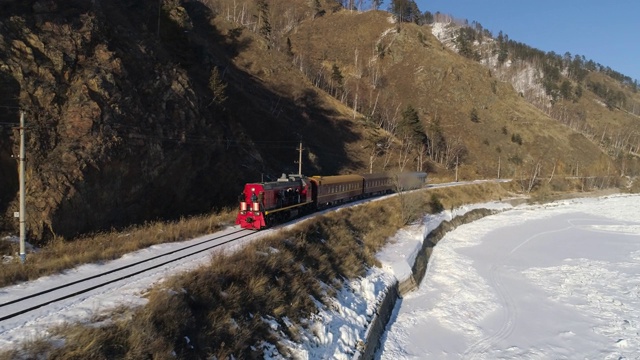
pixel 120 128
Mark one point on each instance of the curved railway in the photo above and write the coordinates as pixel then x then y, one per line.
pixel 28 309
pixel 25 304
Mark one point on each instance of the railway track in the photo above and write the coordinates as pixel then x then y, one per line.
pixel 29 309
pixel 21 306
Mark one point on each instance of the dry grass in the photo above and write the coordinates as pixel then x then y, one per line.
pixel 226 309
pixel 60 254
pixel 223 308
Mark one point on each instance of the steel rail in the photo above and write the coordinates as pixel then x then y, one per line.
pixel 128 275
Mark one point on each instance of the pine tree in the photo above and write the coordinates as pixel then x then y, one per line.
pixel 566 90
pixel 410 125
pixel 404 10
pixel 265 24
pixel 218 87
pixel 336 78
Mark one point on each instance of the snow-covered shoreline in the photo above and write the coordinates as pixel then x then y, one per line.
pixel 470 302
pixel 558 280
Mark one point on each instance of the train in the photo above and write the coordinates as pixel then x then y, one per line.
pixel 263 204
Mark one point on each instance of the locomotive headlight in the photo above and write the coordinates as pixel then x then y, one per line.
pixel 256 213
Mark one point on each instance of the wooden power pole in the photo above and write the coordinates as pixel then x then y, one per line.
pixel 23 254
pixel 300 159
pixel 456 168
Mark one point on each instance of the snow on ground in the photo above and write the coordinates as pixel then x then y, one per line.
pixel 558 281
pixel 554 281
pixel 98 302
pixel 400 255
pixel 338 331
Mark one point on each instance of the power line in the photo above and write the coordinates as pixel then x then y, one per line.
pixel 124 131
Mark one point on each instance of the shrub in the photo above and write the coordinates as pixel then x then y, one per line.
pixel 516 159
pixel 474 116
pixel 436 204
pixel 516 138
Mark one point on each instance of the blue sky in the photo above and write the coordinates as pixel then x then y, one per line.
pixel 607 32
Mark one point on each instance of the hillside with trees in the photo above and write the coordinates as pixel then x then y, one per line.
pixel 158 110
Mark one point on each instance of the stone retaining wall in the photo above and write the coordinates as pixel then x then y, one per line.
pixel 398 289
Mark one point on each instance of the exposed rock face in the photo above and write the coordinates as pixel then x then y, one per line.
pixel 124 125
pixel 119 129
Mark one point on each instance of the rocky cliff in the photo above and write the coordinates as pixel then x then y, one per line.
pixel 151 110
pixel 121 126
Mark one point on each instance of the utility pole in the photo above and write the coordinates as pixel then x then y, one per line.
pixel 300 159
pixel 456 168
pixel 23 255
pixel 498 167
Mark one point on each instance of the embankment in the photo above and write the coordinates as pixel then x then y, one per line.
pixel 418 271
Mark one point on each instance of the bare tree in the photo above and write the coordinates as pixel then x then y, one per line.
pixel 375 147
pixel 390 126
pixel 553 171
pixel 405 151
pixel 529 182
pixel 409 202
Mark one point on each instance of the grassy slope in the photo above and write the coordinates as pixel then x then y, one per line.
pixel 417 71
pixel 220 307
pixel 446 87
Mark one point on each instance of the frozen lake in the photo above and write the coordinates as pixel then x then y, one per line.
pixel 553 281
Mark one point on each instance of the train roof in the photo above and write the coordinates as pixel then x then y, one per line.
pixel 336 179
pixel 377 176
pixel 281 183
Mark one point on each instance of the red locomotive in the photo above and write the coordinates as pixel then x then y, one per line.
pixel 267 203
pixel 275 201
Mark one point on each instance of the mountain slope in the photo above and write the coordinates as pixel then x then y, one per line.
pixel 137 112
pixel 415 69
